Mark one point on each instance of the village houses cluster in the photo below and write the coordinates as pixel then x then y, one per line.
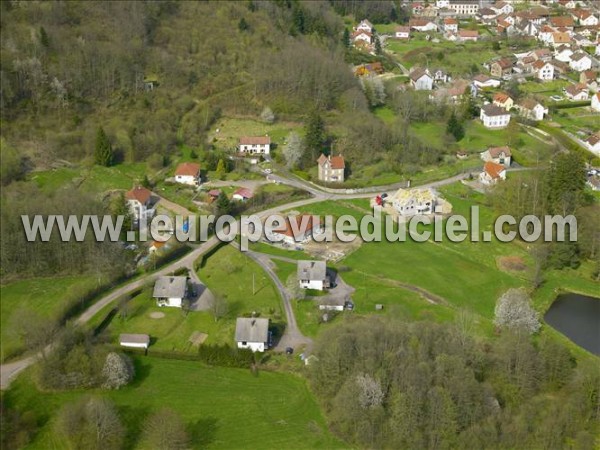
pixel 567 37
pixel 567 47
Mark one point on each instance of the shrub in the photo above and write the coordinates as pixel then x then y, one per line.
pixel 117 372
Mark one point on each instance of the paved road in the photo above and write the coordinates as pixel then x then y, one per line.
pixel 292 337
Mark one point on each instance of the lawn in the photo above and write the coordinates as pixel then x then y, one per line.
pixel 456 58
pixel 386 114
pixel 546 89
pixel 47 296
pixel 465 274
pixel 94 179
pixel 223 408
pixel 573 120
pixel 263 247
pixel 526 149
pixel 173 331
pixel 231 129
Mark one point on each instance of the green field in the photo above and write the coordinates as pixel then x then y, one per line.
pixel 47 296
pixel 577 119
pixel 223 408
pixel 456 58
pixel 94 179
pixel 465 275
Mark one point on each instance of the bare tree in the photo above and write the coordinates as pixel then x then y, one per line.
pixel 218 307
pixel 293 288
pixel 293 150
pixel 92 423
pixel 267 115
pixel 164 430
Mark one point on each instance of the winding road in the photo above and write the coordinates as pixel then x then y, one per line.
pixel 292 336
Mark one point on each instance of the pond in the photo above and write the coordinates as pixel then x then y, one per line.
pixel 577 317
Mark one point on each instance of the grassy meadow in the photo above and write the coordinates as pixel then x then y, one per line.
pixel 46 296
pixel 466 276
pixel 223 408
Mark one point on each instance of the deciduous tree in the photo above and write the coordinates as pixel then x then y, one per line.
pixel 117 372
pixel 513 311
pixel 293 150
pixel 164 430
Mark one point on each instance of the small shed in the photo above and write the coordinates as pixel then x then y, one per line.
pixel 378 307
pixel 134 340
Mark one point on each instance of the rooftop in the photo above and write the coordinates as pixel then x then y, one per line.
pixel 170 287
pixel 251 329
pixel 188 169
pixel 139 193
pixel 255 140
pixel 311 270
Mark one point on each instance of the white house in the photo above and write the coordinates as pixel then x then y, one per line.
pixel 464 7
pixel 483 81
pixel 492 173
pixel 580 61
pixel 585 17
pixel 577 92
pixel 493 116
pixel 450 25
pixel 498 155
pixel 252 333
pixel 421 80
pixel 170 291
pixel 362 36
pixel 544 71
pixel 502 8
pixel 188 173
pixel 139 200
pixel 422 25
pixel 569 4
pixel 531 109
pixel 364 25
pixel 295 229
pixel 255 144
pixel 596 102
pixel 331 168
pixel 242 194
pixel 563 53
pixel 134 340
pixel 410 202
pixel 312 275
pixel 402 33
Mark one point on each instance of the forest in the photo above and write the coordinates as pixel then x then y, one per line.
pixel 389 384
